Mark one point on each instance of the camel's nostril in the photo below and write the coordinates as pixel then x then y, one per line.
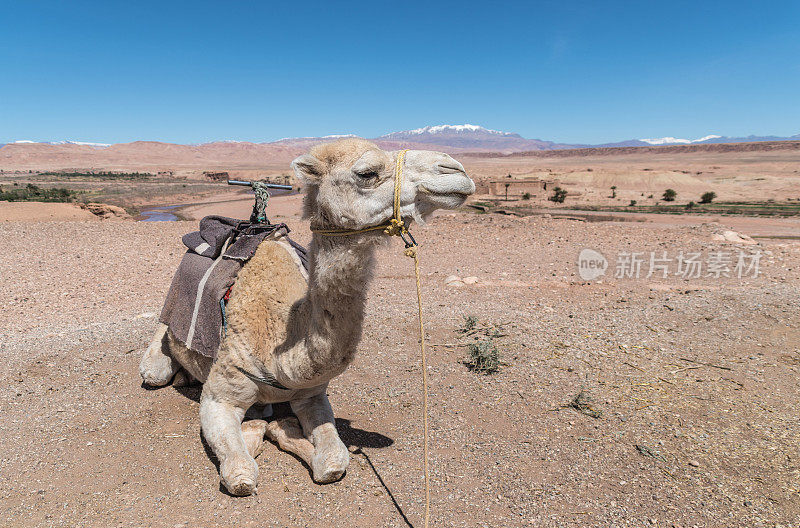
pixel 450 167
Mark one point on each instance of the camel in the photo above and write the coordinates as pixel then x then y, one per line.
pixel 301 332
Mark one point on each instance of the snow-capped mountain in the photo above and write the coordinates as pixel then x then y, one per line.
pixel 712 138
pixel 467 136
pixel 474 137
pixel 64 142
pixel 440 130
pixel 676 141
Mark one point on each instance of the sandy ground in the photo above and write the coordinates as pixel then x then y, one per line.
pixel 700 374
pixel 735 176
pixel 39 212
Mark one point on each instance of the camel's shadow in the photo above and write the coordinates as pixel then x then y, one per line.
pixel 191 391
pixel 358 438
pixel 353 437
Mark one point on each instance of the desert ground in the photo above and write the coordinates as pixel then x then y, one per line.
pixel 739 175
pixel 689 388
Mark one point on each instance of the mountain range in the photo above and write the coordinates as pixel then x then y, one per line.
pixel 472 137
pixel 449 138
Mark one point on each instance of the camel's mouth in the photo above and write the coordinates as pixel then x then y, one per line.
pixel 453 183
pixel 425 190
pixel 448 200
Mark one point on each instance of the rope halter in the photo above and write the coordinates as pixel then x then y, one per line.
pixel 395 226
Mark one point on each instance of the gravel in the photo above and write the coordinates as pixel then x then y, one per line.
pixel 704 372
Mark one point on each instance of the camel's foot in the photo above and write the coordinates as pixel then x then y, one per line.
pixel 253 432
pixel 330 461
pixel 156 368
pixel 330 458
pixel 239 475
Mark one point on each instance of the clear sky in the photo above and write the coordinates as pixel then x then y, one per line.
pixel 592 71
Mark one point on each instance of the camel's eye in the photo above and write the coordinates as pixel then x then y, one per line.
pixel 368 174
pixel 368 167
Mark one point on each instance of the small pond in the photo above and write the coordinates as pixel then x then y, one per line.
pixel 159 214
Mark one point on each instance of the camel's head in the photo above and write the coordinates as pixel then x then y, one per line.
pixel 350 184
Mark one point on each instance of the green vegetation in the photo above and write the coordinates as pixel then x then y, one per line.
pixel 484 358
pixel 788 208
pixel 613 191
pixel 526 196
pixel 34 193
pixel 469 324
pixel 708 197
pixel 720 208
pixel 101 175
pixel 633 202
pixel 559 195
pixel 669 195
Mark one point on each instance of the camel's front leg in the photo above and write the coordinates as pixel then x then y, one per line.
pixel 226 396
pixel 331 457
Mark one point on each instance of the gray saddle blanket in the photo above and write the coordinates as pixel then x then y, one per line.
pixel 194 307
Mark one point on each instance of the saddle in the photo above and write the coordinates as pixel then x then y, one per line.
pixel 194 309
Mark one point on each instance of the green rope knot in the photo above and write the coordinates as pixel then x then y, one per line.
pixel 259 214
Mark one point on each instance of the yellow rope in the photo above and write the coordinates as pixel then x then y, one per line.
pixel 396 227
pixel 412 252
pixel 342 232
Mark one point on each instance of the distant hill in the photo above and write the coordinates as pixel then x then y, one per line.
pixel 474 138
pixel 455 139
pixel 655 150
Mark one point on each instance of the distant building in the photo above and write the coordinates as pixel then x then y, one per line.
pixel 515 187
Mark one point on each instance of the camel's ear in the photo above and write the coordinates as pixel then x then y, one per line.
pixel 308 169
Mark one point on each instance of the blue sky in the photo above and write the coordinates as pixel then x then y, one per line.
pixel 589 71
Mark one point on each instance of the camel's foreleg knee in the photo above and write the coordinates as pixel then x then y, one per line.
pixel 331 457
pixel 157 367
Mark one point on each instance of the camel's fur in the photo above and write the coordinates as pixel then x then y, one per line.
pixel 303 330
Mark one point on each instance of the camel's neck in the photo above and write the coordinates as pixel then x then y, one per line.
pixel 340 270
